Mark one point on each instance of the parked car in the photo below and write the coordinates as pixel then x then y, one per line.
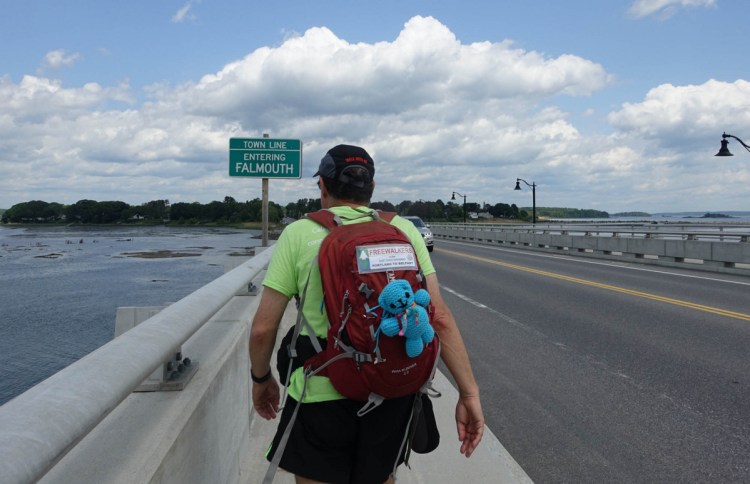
pixel 424 229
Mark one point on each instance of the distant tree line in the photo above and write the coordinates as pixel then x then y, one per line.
pixel 228 211
pixel 451 211
pixel 155 211
pixel 231 211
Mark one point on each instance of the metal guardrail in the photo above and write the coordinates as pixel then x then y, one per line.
pixel 40 426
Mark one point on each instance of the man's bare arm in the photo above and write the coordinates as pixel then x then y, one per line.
pixel 469 416
pixel 262 341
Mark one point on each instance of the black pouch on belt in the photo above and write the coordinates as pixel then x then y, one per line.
pixel 304 348
pixel 426 435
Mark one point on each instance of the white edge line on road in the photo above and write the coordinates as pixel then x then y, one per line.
pixel 502 316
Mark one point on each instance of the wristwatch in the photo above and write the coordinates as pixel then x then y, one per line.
pixel 261 379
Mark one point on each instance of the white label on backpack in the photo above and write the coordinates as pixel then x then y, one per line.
pixel 382 258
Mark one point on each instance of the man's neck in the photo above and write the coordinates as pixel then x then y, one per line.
pixel 333 202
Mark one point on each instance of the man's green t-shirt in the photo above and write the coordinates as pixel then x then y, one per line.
pixel 288 270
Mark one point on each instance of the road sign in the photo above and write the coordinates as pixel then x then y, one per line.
pixel 265 157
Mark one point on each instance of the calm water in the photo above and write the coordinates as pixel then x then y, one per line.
pixel 734 217
pixel 60 287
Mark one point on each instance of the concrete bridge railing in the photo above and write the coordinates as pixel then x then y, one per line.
pixel 715 251
pixel 84 424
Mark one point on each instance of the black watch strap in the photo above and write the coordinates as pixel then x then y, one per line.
pixel 261 379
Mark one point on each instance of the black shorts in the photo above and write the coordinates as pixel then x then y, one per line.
pixel 330 443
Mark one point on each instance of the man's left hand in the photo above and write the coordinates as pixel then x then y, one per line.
pixel 266 398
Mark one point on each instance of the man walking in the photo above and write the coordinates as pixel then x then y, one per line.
pixel 328 441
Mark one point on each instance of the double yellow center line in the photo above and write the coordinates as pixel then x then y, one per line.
pixel 609 287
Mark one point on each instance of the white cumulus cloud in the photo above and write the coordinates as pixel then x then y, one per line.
pixel 682 113
pixel 438 115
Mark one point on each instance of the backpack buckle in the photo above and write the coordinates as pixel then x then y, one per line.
pixel 364 289
pixel 360 357
pixel 291 352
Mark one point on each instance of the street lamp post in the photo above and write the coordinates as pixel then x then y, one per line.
pixel 453 197
pixel 533 196
pixel 724 151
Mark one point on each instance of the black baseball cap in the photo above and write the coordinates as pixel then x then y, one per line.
pixel 335 163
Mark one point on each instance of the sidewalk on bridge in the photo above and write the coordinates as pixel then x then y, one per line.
pixel 490 463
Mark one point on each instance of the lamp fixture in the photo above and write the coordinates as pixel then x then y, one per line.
pixel 724 150
pixel 453 197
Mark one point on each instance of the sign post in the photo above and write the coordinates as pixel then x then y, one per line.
pixel 264 208
pixel 265 158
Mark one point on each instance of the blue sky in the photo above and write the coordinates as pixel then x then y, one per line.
pixel 614 105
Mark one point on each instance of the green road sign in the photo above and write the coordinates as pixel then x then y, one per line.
pixel 265 157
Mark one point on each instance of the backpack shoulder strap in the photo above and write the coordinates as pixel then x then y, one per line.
pixel 326 218
pixel 386 216
pixel 329 220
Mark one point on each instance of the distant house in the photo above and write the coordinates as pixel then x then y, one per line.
pixel 137 216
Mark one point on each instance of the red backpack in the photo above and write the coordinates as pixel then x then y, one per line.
pixel 356 261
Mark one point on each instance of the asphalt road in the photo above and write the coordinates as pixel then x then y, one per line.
pixel 594 372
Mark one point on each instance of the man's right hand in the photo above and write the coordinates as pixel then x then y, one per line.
pixel 469 422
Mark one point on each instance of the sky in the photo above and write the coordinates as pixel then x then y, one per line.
pixel 614 105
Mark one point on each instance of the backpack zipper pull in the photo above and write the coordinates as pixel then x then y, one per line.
pixel 345 308
pixel 343 303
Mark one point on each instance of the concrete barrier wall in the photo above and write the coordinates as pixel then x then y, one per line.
pixel 641 247
pixel 608 245
pixel 739 252
pixel 714 256
pixel 196 435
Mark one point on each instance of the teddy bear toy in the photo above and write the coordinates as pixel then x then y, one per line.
pixel 405 314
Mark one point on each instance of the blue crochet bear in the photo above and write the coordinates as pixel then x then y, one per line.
pixel 404 314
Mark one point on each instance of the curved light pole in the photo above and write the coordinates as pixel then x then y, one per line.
pixel 453 197
pixel 533 196
pixel 724 151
